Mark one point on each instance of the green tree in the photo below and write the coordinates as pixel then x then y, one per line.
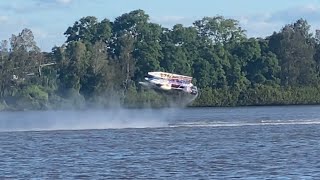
pixel 219 29
pixel 74 68
pixel 295 49
pixel 88 29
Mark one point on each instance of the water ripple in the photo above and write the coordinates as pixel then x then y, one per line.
pixel 286 151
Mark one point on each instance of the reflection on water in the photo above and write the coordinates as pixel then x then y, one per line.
pixel 196 143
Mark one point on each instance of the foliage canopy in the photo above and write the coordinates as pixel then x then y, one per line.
pixel 102 61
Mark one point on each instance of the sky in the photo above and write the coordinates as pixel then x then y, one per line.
pixel 49 19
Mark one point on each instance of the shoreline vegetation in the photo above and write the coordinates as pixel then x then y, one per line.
pixel 101 63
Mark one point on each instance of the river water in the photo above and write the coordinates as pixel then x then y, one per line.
pixel 192 143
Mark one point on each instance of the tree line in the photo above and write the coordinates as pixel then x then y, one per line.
pixel 101 63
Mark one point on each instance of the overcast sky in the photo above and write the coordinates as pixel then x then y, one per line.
pixel 48 19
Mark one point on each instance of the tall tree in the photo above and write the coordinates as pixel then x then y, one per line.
pixel 88 29
pixel 219 29
pixel 96 79
pixel 25 55
pixel 295 49
pixel 148 51
pixel 74 68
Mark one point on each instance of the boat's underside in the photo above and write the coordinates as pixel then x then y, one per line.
pixel 169 87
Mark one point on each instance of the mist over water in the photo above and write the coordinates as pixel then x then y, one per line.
pixel 89 119
pixel 119 118
pixel 115 117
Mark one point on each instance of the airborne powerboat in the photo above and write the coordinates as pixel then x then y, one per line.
pixel 170 81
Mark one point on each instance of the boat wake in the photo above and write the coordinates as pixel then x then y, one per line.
pixel 127 118
pixel 237 124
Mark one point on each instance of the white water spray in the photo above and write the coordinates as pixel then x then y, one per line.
pixel 77 120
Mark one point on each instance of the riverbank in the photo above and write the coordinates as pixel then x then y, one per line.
pixel 260 96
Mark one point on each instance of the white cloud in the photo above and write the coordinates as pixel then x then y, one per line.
pixel 311 12
pixel 39 33
pixel 310 8
pixel 169 21
pixel 64 1
pixel 34 6
pixel 258 25
pixel 265 24
pixel 4 19
pixel 169 18
pixel 260 28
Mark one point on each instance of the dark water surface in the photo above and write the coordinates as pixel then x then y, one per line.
pixel 199 143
